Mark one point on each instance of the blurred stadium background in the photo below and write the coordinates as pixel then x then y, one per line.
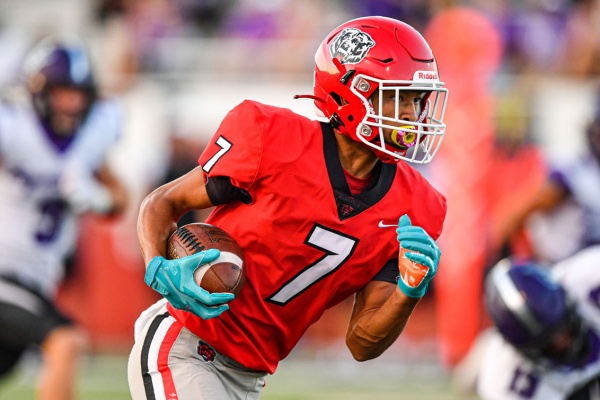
pixel 523 80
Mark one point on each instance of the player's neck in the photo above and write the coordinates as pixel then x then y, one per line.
pixel 355 158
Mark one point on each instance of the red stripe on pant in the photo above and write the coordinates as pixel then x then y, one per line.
pixel 163 360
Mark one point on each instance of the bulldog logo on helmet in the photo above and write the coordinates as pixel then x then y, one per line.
pixel 351 46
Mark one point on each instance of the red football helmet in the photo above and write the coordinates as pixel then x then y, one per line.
pixel 377 53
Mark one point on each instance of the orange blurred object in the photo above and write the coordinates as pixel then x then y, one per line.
pixel 107 292
pixel 412 273
pixel 468 50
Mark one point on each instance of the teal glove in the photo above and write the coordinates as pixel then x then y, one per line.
pixel 424 252
pixel 174 279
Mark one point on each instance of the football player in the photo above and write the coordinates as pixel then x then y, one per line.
pixel 319 208
pixel 53 148
pixel 573 187
pixel 546 344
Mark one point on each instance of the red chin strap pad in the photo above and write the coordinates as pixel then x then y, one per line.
pixel 386 158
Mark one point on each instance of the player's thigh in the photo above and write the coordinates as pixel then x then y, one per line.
pixel 240 383
pixel 198 368
pixel 200 372
pixel 167 358
pixel 162 362
pixel 25 316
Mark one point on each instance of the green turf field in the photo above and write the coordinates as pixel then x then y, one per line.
pixel 102 377
pixel 105 377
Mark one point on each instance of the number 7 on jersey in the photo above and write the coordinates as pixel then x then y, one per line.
pixel 225 145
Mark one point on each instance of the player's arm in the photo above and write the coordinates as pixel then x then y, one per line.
pixel 379 316
pixel 161 209
pixel 97 191
pixel 550 196
pixel 119 195
pixel 173 279
pixel 381 309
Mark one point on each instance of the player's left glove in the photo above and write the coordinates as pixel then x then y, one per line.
pixel 174 279
pixel 424 251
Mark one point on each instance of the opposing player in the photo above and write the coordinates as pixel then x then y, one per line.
pixel 547 343
pixel 571 185
pixel 53 146
pixel 318 208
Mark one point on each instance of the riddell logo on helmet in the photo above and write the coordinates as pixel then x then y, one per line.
pixel 425 76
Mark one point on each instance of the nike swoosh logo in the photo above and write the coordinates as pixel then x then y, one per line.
pixel 382 225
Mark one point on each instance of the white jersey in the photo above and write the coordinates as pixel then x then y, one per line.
pixel 37 229
pixel 582 179
pixel 507 375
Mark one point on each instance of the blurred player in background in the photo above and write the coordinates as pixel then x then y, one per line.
pixel 571 192
pixel 547 342
pixel 318 208
pixel 53 148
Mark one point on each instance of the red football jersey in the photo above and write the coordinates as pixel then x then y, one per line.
pixel 307 243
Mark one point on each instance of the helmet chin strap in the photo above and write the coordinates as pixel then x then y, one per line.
pixel 384 157
pixel 308 96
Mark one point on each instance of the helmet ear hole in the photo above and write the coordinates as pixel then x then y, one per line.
pixel 338 99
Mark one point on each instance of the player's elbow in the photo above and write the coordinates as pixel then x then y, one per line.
pixel 363 353
pixel 157 200
pixel 149 202
pixel 361 356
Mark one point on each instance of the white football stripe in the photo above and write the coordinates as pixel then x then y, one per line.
pixel 225 257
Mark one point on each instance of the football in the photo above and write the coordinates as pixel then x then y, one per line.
pixel 226 273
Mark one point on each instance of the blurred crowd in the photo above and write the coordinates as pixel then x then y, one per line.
pixel 522 75
pixel 183 38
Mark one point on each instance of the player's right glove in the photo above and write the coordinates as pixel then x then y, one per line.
pixel 422 250
pixel 83 192
pixel 174 279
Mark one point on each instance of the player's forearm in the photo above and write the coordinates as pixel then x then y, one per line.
pixel 376 330
pixel 156 222
pixel 161 209
pixel 118 192
pixel 549 197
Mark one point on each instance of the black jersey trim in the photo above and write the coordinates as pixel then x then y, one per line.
pixel 348 205
pixel 220 190
pixel 389 272
pixel 332 160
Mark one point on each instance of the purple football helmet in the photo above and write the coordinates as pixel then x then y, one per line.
pixel 535 315
pixel 58 62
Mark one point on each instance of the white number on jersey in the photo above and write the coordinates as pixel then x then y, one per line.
pixel 337 248
pixel 225 145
